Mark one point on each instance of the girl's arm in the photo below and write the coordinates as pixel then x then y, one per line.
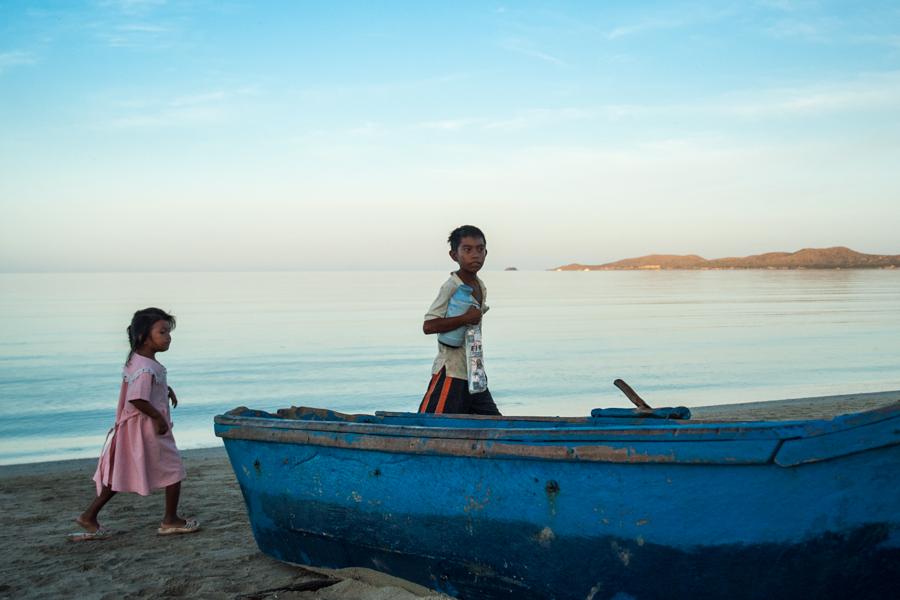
pixel 145 407
pixel 443 324
pixel 173 397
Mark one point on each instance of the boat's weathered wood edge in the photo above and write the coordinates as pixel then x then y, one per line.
pixel 645 430
pixel 801 410
pixel 622 416
pixel 839 443
pixel 730 452
pixel 394 414
pixel 713 413
pixel 587 433
pixel 676 413
pixel 735 443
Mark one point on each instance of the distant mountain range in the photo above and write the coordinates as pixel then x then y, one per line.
pixel 808 258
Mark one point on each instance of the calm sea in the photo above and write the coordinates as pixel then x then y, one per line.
pixel 352 341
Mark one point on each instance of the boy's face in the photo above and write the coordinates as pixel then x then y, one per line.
pixel 470 254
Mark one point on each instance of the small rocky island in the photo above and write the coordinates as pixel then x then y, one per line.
pixel 808 258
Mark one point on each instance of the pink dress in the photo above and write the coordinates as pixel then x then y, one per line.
pixel 135 458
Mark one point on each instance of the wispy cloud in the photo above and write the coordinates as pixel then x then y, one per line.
pixel 527 119
pixel 888 40
pixel 783 5
pixel 170 117
pixel 15 58
pixel 131 6
pixel 137 24
pixel 680 17
pixel 864 94
pixel 856 97
pixel 328 93
pixel 143 28
pixel 518 121
pixel 859 96
pixel 813 31
pixel 643 27
pixel 135 35
pixel 527 48
pixel 202 98
pixel 368 129
pixel 202 108
pixel 451 124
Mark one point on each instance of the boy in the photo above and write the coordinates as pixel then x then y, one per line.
pixel 448 391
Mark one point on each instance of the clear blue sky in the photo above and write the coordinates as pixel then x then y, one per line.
pixel 298 135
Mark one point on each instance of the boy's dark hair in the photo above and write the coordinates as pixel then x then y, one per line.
pixel 141 324
pixel 462 231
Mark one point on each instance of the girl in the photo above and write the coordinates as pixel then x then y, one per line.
pixel 141 455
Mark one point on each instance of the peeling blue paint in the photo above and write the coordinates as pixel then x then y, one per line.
pixel 746 510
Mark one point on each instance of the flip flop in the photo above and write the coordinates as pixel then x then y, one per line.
pixel 192 526
pixel 89 536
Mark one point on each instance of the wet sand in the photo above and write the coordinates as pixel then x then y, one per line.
pixel 40 500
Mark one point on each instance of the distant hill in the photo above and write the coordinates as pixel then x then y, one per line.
pixel 808 258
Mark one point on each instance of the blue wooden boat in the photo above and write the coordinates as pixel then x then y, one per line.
pixel 609 506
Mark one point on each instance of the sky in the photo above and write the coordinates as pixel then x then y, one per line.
pixel 202 135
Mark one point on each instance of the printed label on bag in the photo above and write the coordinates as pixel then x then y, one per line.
pixel 475 360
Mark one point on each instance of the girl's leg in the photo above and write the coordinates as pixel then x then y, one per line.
pixel 88 519
pixel 173 492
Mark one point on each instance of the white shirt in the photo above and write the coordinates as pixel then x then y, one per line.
pixel 452 359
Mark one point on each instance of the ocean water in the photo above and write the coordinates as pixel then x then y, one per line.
pixel 352 341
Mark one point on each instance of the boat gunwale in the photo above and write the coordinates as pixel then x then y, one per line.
pixel 535 434
pixel 664 431
pixel 739 452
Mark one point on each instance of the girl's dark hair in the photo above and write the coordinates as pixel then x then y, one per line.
pixel 459 233
pixel 141 324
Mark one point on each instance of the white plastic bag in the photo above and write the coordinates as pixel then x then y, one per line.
pixel 478 381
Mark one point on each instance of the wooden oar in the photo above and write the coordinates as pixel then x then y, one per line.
pixel 632 395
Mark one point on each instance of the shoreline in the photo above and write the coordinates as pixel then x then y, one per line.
pixel 221 561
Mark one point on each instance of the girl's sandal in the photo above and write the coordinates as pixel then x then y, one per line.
pixel 191 526
pixel 90 536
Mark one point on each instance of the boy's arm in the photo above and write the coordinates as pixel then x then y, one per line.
pixel 443 324
pixel 435 319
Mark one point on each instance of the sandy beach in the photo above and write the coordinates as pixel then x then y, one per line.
pixel 222 561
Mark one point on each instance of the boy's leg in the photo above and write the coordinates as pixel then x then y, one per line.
pixel 445 395
pixel 482 403
pixel 436 383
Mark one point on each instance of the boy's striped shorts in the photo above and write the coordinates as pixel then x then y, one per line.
pixel 448 395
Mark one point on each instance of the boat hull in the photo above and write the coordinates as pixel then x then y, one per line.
pixel 509 527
